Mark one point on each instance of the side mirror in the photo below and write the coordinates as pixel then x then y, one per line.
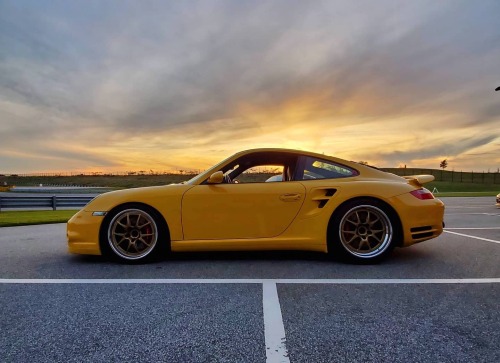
pixel 216 178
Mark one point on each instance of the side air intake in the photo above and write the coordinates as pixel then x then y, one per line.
pixel 324 197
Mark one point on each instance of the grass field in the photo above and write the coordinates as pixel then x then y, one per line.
pixel 466 194
pixel 464 189
pixel 21 218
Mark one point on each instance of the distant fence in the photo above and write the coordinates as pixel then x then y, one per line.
pixel 119 173
pixel 44 202
pixel 450 176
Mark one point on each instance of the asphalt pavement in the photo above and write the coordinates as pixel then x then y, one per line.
pixel 437 301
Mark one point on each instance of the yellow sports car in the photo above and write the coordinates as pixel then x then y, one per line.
pixel 313 202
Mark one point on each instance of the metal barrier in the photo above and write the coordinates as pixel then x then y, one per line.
pixel 44 202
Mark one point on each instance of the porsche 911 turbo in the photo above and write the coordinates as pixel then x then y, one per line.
pixel 312 202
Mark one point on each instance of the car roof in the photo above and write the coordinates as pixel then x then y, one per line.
pixel 283 150
pixel 239 154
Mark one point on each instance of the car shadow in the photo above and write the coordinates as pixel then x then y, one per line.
pixel 400 256
pixel 248 255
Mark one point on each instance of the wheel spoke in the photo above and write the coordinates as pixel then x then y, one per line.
pixel 138 220
pixel 121 224
pixel 143 225
pixel 379 236
pixel 144 241
pixel 128 246
pixel 123 239
pixel 354 223
pixel 367 219
pixel 362 243
pixel 358 219
pixel 371 223
pixel 353 238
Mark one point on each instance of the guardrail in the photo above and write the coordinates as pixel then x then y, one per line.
pixel 47 202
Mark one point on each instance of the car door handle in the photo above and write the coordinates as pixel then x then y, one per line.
pixel 290 197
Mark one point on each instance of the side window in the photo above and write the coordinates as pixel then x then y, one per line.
pixel 260 174
pixel 323 169
pixel 261 167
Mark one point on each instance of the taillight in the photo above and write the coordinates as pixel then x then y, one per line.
pixel 422 193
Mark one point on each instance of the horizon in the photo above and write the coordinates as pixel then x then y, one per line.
pixel 119 86
pixel 192 171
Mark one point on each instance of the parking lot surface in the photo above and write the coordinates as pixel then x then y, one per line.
pixel 433 302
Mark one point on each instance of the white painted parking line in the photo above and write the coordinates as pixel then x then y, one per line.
pixel 274 330
pixel 254 281
pixel 468 235
pixel 486 228
pixel 467 207
pixel 470 214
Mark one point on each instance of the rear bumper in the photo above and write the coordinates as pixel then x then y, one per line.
pixel 83 233
pixel 421 220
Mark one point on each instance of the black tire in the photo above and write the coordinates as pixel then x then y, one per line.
pixel 363 231
pixel 134 233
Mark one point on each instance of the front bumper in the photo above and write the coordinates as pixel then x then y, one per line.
pixel 83 233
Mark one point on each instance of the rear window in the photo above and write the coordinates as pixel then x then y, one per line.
pixel 323 169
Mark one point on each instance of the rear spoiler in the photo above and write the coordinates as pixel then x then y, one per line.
pixel 419 180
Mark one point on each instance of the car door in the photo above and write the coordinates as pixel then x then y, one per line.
pixel 230 211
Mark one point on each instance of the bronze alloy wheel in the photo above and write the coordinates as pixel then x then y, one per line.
pixel 132 234
pixel 365 231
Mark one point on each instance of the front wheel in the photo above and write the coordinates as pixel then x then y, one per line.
pixel 133 233
pixel 363 231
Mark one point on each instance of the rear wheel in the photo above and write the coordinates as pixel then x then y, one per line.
pixel 363 231
pixel 133 233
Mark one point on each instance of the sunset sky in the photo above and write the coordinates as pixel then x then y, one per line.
pixel 166 85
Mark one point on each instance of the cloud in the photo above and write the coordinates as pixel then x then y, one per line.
pixel 183 77
pixel 457 146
